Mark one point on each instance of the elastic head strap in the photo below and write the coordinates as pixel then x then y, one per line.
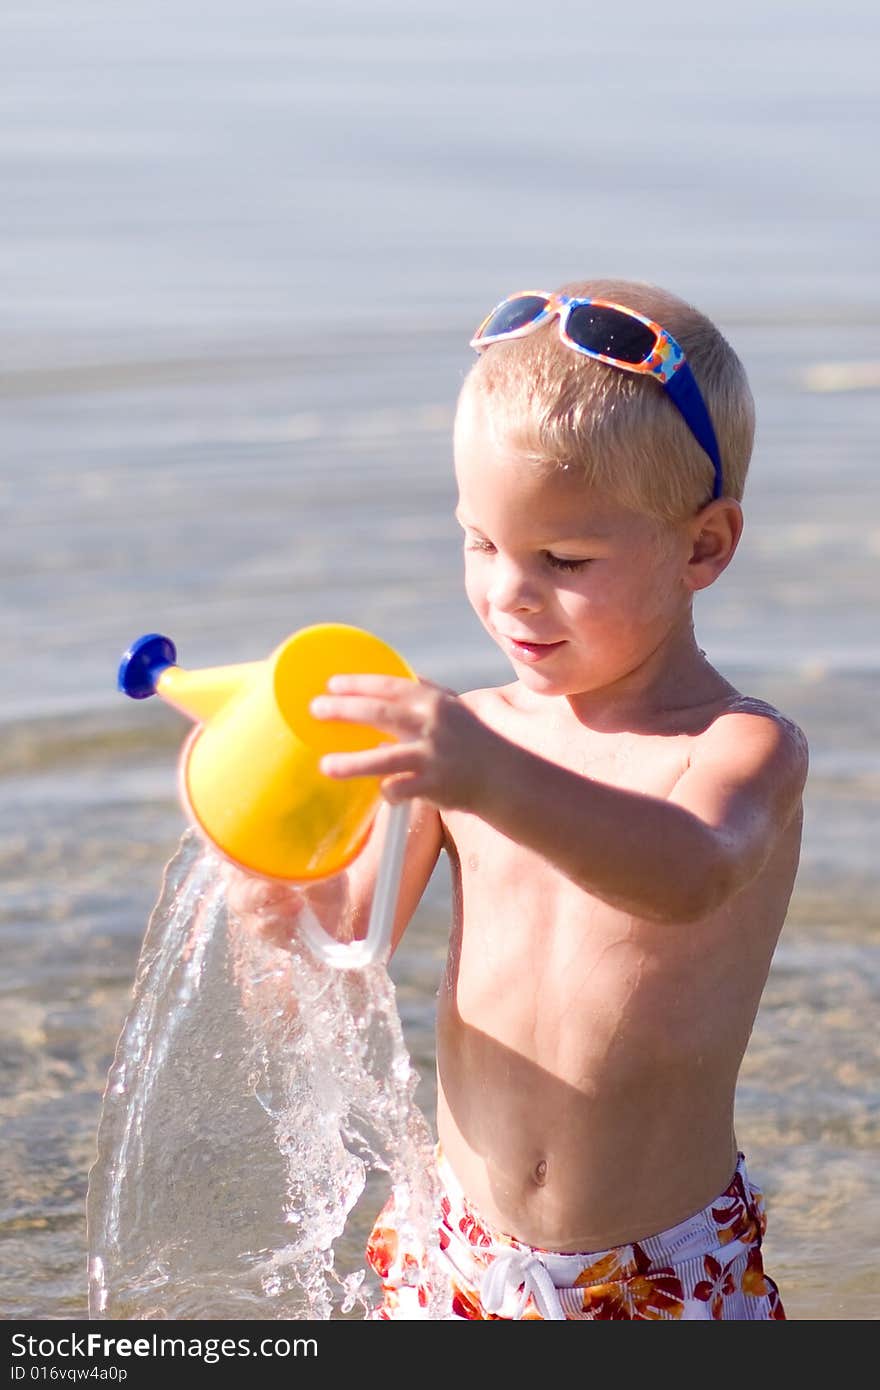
pixel 684 393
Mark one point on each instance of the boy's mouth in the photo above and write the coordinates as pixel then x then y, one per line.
pixel 530 651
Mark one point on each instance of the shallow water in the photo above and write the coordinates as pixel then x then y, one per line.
pixel 241 275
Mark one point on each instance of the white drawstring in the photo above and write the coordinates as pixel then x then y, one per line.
pixel 515 1270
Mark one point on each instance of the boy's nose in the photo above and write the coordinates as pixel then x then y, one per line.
pixel 513 591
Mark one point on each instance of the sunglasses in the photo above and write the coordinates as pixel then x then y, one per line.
pixel 617 336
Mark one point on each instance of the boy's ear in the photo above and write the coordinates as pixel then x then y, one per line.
pixel 714 535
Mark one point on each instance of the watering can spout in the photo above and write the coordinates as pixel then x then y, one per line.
pixel 149 667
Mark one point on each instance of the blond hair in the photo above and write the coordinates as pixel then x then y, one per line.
pixel 560 407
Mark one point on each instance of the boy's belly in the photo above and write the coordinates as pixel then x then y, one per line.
pixel 578 1170
pixel 585 1097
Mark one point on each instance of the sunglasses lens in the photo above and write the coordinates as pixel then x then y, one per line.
pixel 514 314
pixel 610 333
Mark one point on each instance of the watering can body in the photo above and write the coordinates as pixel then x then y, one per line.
pixel 249 771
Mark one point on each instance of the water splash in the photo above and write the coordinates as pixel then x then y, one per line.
pixel 254 1093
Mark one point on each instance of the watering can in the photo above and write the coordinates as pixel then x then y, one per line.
pixel 249 776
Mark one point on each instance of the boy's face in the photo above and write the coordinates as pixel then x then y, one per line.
pixel 575 589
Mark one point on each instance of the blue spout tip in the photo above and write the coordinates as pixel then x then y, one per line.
pixel 143 664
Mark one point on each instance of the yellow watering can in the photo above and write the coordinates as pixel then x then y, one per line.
pixel 249 775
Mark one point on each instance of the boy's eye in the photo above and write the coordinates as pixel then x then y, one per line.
pixel 559 563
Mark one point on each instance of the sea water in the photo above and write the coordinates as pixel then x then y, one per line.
pixel 255 1094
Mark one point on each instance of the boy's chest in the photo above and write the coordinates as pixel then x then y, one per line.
pixel 634 762
pixel 647 763
pixel 490 865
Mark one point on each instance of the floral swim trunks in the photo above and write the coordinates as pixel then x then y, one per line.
pixel 706 1268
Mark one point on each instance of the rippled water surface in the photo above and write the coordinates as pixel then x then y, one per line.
pixel 242 268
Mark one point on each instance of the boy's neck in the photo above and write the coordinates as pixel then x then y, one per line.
pixel 674 676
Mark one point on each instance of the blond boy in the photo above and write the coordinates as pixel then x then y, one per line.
pixel 623 828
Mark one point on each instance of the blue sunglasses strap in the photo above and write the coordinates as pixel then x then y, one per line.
pixel 684 392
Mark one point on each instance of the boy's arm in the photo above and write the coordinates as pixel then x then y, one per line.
pixel 674 859
pixel 668 859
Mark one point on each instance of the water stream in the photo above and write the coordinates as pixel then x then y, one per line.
pixel 256 1095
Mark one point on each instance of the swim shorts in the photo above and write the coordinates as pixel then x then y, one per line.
pixel 705 1268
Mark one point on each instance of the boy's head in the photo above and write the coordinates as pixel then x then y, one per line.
pixel 614 427
pixel 587 502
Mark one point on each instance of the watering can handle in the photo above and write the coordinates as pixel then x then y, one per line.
pixel 376 945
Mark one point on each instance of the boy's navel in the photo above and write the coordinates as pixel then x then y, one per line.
pixel 541 1172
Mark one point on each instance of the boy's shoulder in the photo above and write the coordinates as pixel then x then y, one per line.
pixel 750 743
pixel 748 717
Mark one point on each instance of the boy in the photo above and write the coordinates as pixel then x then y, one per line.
pixel 623 829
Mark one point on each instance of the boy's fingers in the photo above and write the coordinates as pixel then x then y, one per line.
pixel 394 717
pixel 405 788
pixel 375 762
pixel 369 685
pixel 390 686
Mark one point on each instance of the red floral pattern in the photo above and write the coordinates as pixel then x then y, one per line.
pixel 623 1284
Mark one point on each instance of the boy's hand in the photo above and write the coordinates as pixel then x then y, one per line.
pixel 271 909
pixel 442 751
pixel 264 908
